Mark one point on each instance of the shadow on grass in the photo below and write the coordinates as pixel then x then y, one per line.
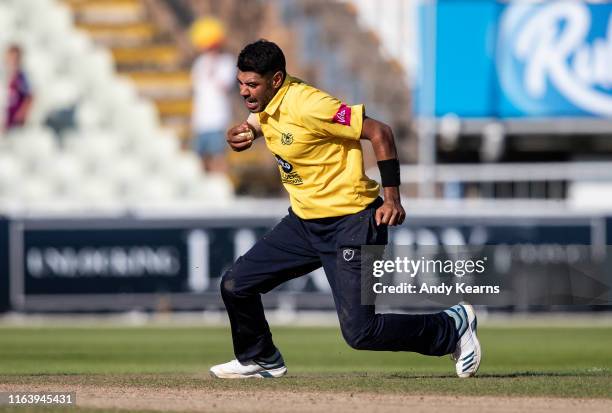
pixel 502 375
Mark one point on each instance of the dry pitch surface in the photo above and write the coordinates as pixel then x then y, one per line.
pixel 136 398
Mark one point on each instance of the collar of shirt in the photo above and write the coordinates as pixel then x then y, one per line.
pixel 273 105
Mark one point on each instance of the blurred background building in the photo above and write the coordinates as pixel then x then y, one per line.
pixel 501 109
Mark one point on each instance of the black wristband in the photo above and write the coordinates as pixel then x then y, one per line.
pixel 389 172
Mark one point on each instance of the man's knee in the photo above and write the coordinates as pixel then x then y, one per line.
pixel 229 286
pixel 358 339
pixel 235 284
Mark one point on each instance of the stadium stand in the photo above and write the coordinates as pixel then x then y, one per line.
pixel 145 50
pixel 110 151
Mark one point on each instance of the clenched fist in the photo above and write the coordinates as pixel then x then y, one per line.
pixel 240 137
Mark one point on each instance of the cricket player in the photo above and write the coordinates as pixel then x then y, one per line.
pixel 335 209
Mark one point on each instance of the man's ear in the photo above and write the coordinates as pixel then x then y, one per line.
pixel 277 79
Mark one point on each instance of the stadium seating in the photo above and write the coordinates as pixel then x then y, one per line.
pixel 145 50
pixel 112 152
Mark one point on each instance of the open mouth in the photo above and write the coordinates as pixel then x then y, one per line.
pixel 251 104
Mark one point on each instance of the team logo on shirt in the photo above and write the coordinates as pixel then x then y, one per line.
pixel 348 254
pixel 287 138
pixel 343 115
pixel 288 175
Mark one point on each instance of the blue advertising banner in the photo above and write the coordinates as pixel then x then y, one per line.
pixel 512 59
pixel 555 59
pixel 461 75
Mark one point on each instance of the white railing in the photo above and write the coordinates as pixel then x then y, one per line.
pixel 394 23
pixel 575 185
pixel 513 172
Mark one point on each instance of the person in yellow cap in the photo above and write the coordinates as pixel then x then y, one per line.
pixel 207 32
pixel 213 74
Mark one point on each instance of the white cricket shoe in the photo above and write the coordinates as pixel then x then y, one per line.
pixel 467 355
pixel 251 369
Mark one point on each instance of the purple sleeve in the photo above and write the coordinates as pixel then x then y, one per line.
pixel 23 85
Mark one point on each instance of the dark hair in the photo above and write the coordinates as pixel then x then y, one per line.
pixel 262 57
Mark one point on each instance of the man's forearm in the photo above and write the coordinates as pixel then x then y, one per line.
pixel 391 193
pixel 253 121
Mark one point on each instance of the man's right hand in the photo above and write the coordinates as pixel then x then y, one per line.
pixel 240 137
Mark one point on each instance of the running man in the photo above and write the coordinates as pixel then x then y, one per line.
pixel 335 208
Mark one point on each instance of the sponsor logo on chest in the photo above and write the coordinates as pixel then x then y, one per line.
pixel 288 175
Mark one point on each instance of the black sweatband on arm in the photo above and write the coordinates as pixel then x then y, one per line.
pixel 389 172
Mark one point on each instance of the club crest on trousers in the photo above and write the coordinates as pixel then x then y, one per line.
pixel 348 254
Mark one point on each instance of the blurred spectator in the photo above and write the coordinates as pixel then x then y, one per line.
pixel 213 74
pixel 19 94
pixel 61 120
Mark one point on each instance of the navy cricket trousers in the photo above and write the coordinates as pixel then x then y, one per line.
pixel 296 247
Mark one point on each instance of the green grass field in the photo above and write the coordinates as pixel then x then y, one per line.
pixel 549 361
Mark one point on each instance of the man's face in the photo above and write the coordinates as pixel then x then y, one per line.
pixel 12 59
pixel 257 90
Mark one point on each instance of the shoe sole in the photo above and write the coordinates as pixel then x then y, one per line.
pixel 265 374
pixel 477 349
